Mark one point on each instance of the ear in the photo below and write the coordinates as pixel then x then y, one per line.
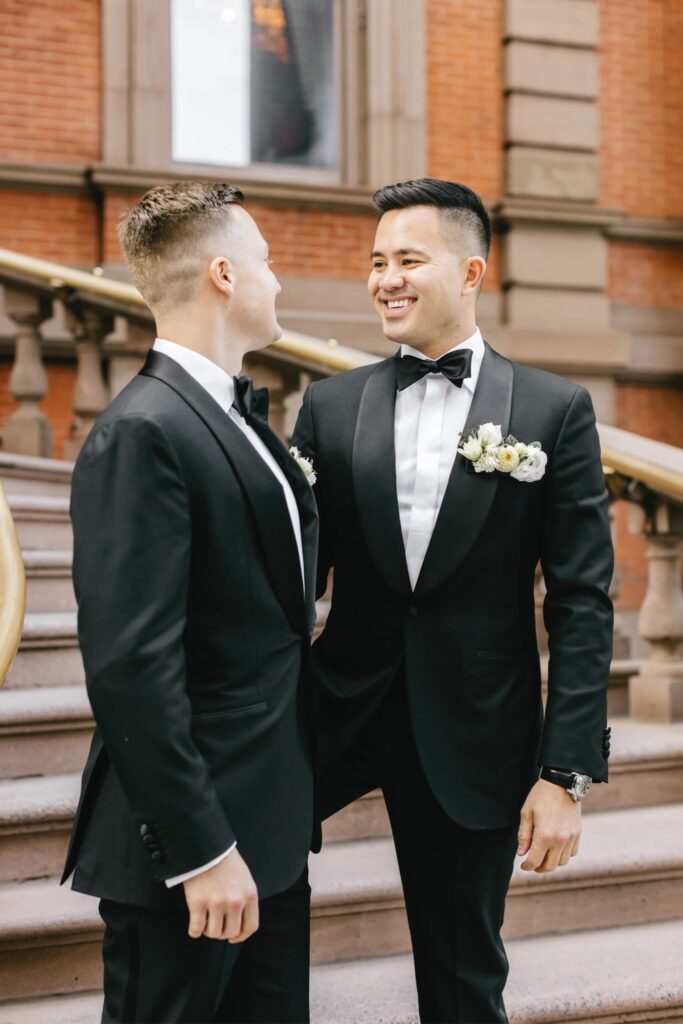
pixel 475 268
pixel 222 274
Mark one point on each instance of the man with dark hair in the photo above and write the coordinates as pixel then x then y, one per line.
pixel 195 538
pixel 443 475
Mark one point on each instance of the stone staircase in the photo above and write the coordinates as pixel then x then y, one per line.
pixel 600 940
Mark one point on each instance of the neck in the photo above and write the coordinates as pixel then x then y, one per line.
pixel 434 348
pixel 210 339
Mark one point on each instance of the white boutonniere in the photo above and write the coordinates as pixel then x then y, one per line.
pixel 488 451
pixel 305 465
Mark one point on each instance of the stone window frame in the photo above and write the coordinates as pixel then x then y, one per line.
pixel 382 117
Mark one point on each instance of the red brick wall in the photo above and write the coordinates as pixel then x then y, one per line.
pixel 52 227
pixel 465 93
pixel 641 106
pixel 646 275
pixel 50 67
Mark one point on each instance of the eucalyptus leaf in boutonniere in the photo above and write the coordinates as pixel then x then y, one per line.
pixel 489 451
pixel 304 464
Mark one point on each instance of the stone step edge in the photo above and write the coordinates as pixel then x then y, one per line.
pixel 382 989
pixel 40 709
pixel 39 507
pixel 47 562
pixel 35 466
pixel 49 629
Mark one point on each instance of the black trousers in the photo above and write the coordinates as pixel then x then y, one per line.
pixel 154 973
pixel 454 879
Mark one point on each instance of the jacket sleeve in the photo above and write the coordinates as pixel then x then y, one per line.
pixel 577 559
pixel 132 549
pixel 305 440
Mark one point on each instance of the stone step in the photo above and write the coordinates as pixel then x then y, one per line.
pixel 35 822
pixel 49 587
pixel 629 871
pixel 607 976
pixel 48 654
pixel 24 474
pixel 41 522
pixel 44 732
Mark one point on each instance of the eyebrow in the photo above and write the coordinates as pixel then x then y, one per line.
pixel 400 252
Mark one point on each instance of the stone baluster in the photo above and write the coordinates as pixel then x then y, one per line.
pixel 126 348
pixel 621 644
pixel 91 394
pixel 656 693
pixel 27 431
pixel 281 382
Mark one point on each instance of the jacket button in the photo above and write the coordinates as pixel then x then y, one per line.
pixel 149 839
pixel 413 611
pixel 144 829
pixel 156 857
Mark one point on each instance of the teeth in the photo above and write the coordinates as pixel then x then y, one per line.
pixel 398 303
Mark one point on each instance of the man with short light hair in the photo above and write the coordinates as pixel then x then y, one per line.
pixel 195 537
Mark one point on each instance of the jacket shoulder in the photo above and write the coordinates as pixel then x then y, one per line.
pixel 556 389
pixel 343 384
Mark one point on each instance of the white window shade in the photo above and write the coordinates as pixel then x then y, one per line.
pixel 253 81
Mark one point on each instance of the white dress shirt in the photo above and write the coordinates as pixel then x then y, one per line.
pixel 429 419
pixel 221 386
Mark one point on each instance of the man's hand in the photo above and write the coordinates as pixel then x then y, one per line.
pixel 549 829
pixel 223 901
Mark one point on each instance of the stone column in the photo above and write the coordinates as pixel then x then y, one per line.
pixel 91 394
pixel 656 693
pixel 27 431
pixel 554 250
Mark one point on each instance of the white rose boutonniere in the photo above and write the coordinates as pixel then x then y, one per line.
pixel 305 465
pixel 489 451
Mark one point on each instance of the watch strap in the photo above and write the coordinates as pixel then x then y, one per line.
pixel 559 776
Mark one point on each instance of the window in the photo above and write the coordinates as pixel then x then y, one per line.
pixel 254 82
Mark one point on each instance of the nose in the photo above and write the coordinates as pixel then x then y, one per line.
pixel 391 280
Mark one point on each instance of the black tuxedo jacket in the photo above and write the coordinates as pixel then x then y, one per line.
pixel 466 635
pixel 194 632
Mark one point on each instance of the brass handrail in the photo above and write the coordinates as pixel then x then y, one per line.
pixel 12 589
pixel 328 357
pixel 659 479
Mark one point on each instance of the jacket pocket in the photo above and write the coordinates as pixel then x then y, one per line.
pixel 240 712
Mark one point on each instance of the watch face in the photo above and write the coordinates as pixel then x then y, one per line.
pixel 582 783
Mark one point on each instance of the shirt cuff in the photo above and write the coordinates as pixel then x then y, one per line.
pixel 177 879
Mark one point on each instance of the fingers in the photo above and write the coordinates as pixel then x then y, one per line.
pixel 525 833
pixel 537 852
pixel 250 922
pixel 215 924
pixel 197 921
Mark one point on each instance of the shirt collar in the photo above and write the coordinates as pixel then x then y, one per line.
pixel 212 378
pixel 475 342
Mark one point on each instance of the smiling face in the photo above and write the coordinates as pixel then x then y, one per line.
pixel 424 280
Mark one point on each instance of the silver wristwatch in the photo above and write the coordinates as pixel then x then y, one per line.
pixel 577 785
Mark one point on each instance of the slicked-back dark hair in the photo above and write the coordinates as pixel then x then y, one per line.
pixel 460 204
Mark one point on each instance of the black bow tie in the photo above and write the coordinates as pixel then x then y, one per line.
pixel 250 401
pixel 455 367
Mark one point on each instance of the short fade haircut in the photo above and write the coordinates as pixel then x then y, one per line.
pixel 162 235
pixel 461 206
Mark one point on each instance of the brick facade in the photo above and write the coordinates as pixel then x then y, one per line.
pixel 50 67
